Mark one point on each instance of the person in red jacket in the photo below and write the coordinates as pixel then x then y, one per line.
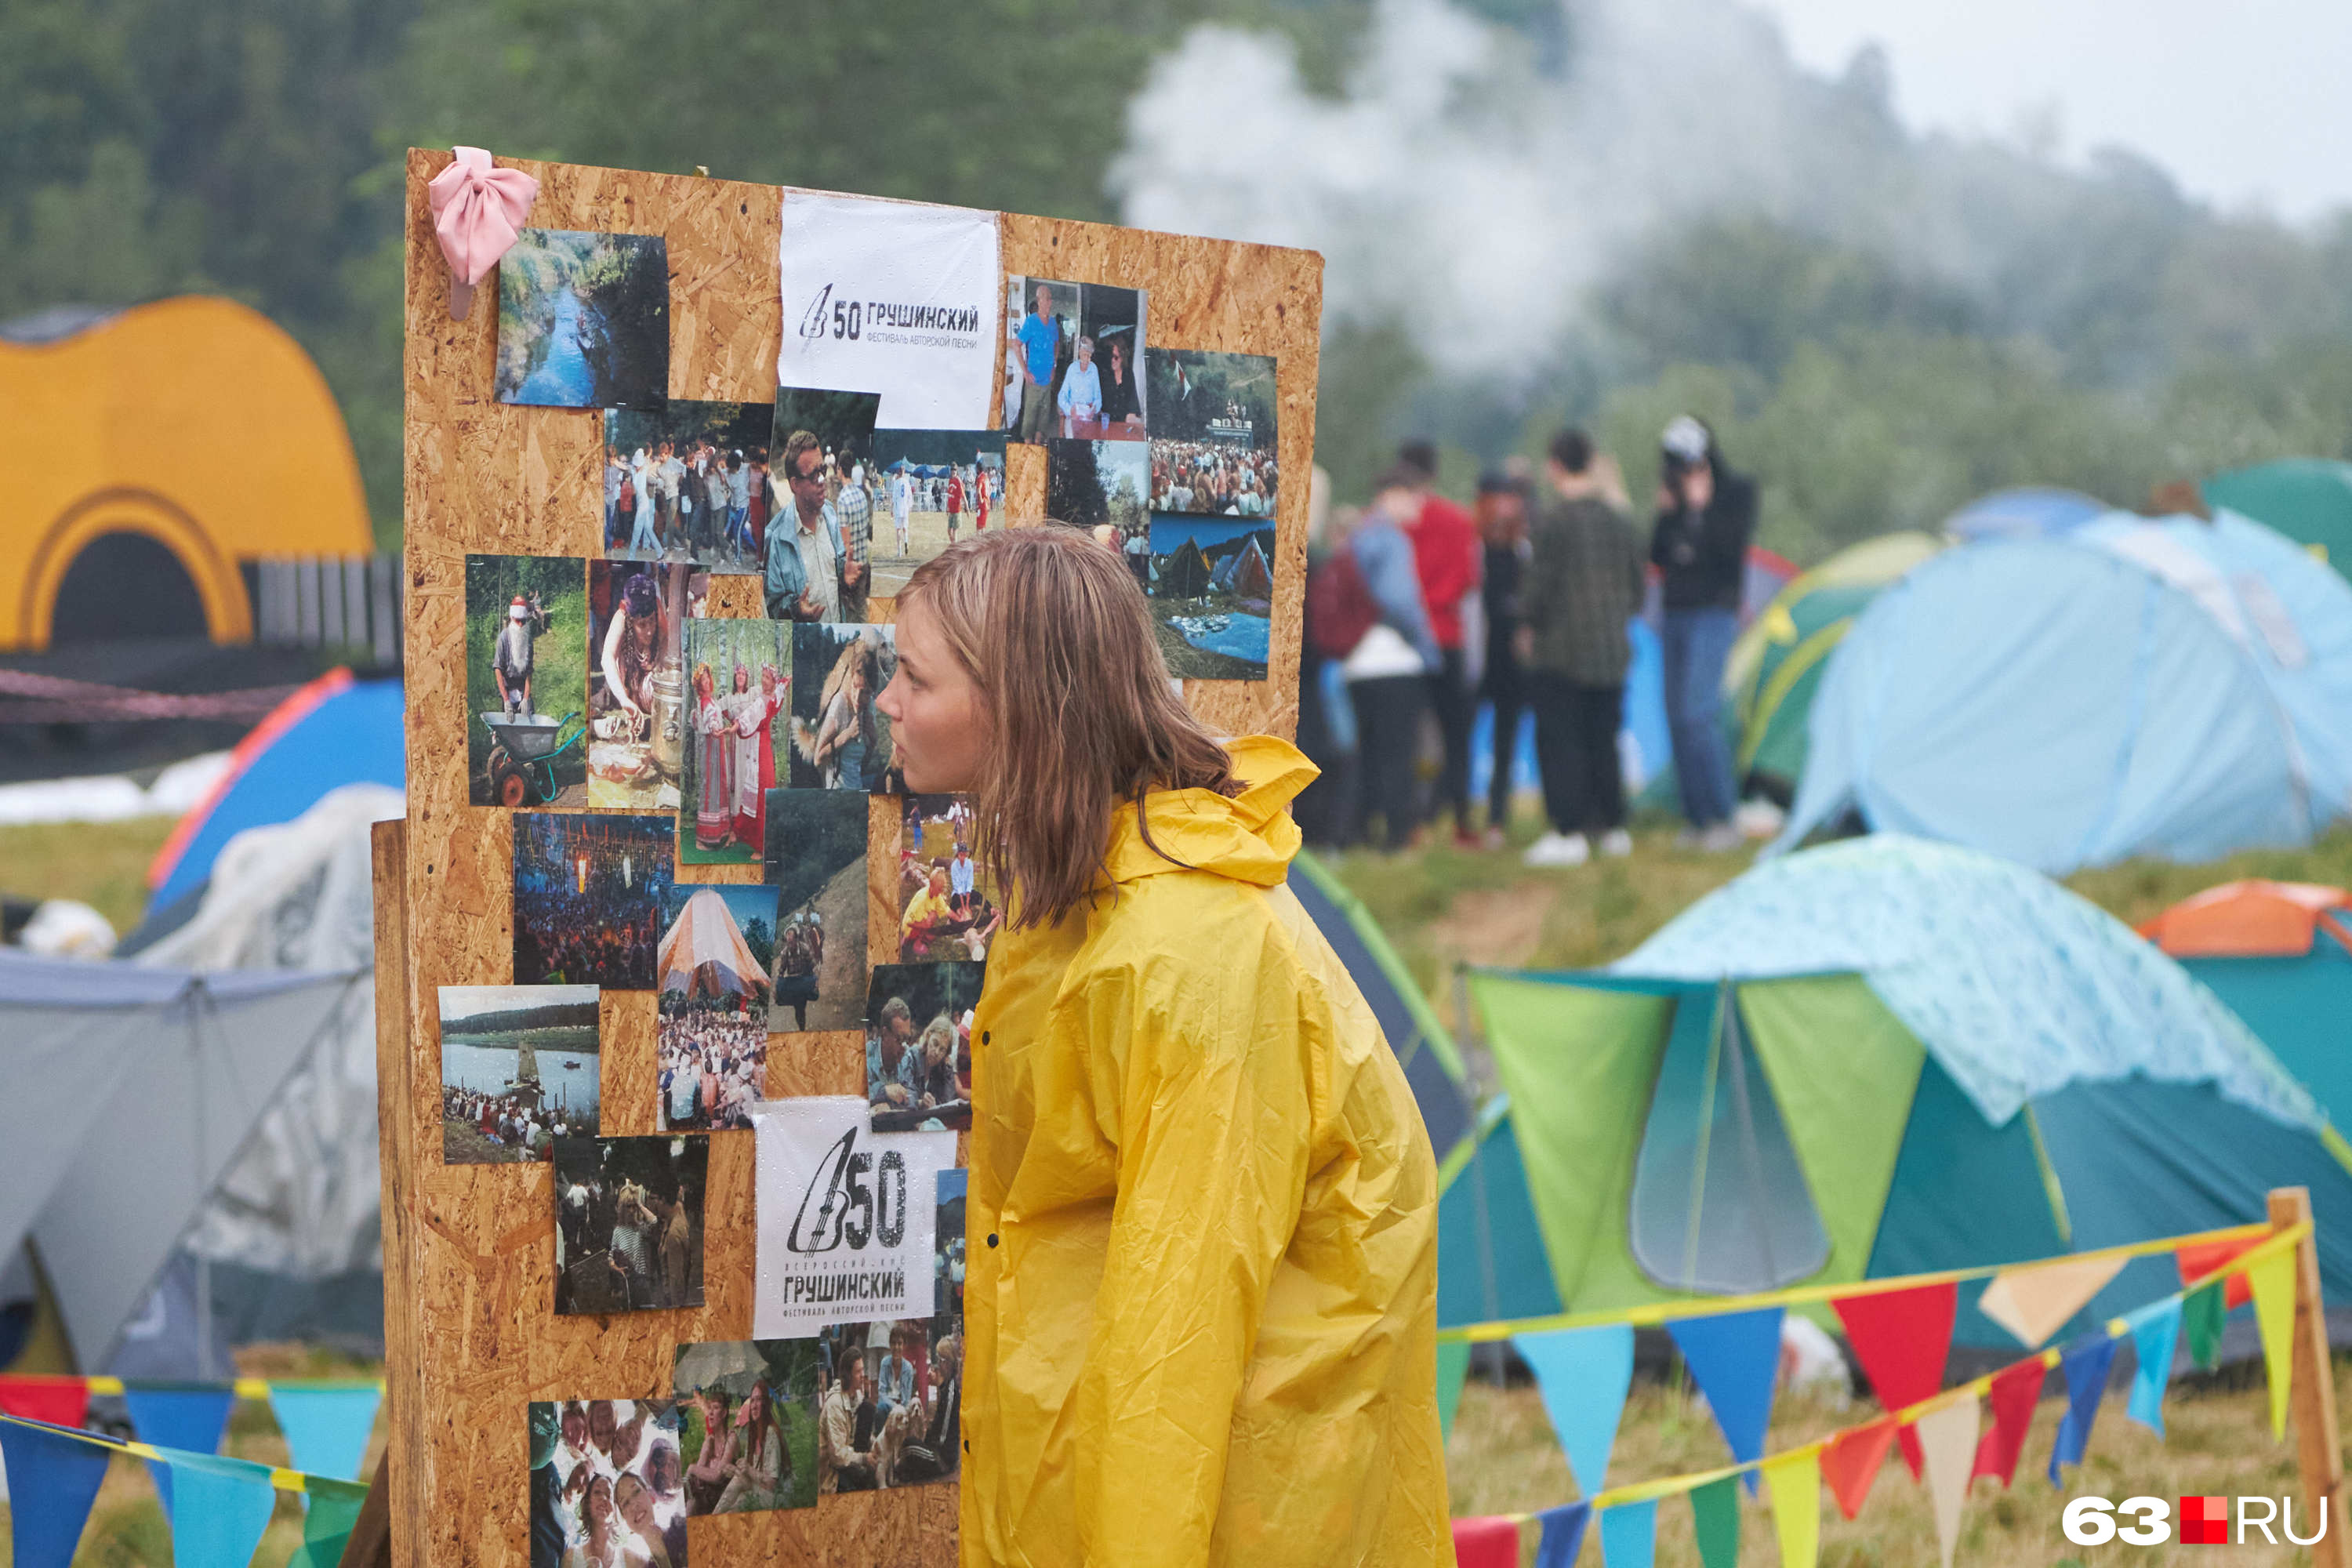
pixel 1446 555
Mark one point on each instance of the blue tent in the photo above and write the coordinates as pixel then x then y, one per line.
pixel 2023 512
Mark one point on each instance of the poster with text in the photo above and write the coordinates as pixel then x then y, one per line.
pixel 846 1217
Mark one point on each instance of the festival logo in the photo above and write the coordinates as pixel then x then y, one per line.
pixel 846 1217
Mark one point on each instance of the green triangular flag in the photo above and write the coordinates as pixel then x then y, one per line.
pixel 2201 1316
pixel 1452 1369
pixel 335 1511
pixel 1714 1516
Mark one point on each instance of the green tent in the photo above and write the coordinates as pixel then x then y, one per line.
pixel 2309 499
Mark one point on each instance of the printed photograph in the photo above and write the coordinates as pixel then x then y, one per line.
pixel 934 486
pixel 919 1045
pixel 637 681
pixel 947 1244
pixel 748 1425
pixel 739 681
pixel 1213 433
pixel 592 894
pixel 527 728
pixel 1210 589
pixel 947 907
pixel 1041 323
pixel 816 866
pixel 629 1223
pixel 710 1057
pixel 518 1071
pixel 584 319
pixel 718 946
pixel 818 558
pixel 890 1392
pixel 687 482
pixel 1103 486
pixel 607 1482
pixel 840 739
pixel 1073 362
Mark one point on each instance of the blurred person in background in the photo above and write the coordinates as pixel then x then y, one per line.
pixel 1583 586
pixel 1388 668
pixel 1445 557
pixel 1707 514
pixel 1326 729
pixel 1502 516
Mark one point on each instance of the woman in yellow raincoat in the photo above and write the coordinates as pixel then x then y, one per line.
pixel 1200 1307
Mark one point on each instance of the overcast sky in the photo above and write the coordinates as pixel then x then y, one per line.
pixel 2247 103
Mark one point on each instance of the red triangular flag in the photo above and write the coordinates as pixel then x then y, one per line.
pixel 1851 1462
pixel 1901 1337
pixel 59 1401
pixel 2196 1262
pixel 1490 1542
pixel 2015 1391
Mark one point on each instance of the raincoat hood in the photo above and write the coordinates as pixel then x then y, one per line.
pixel 1249 838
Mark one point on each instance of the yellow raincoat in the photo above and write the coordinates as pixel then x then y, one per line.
pixel 1201 1310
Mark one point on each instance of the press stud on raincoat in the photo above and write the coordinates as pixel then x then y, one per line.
pixel 1201 1310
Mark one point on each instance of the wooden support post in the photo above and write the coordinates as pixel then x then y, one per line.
pixel 388 1531
pixel 2312 1396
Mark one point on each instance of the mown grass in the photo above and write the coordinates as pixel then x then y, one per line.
pixel 103 864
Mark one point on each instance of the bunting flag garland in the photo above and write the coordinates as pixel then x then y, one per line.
pixel 1629 1535
pixel 2271 1279
pixel 2014 1392
pixel 2155 1330
pixel 1947 1438
pixel 1715 1519
pixel 1583 1375
pixel 218 1512
pixel 327 1426
pixel 2036 1301
pixel 53 1477
pixel 59 1401
pixel 2203 1314
pixel 329 1524
pixel 1852 1461
pixel 1734 1359
pixel 1564 1536
pixel 1453 1371
pixel 1491 1543
pixel 2085 1364
pixel 1902 1339
pixel 2199 1258
pixel 1795 1485
pixel 192 1419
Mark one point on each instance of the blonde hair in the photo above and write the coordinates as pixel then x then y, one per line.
pixel 1053 629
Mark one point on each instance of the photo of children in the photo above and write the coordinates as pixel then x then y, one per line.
pixel 840 739
pixel 888 1412
pixel 817 864
pixel 682 483
pixel 1211 588
pixel 931 486
pixel 711 1061
pixel 629 1223
pixel 584 319
pixel 947 1245
pixel 948 909
pixel 824 492
pixel 737 691
pixel 607 1484
pixel 523 741
pixel 919 1045
pixel 590 897
pixel 1073 357
pixel 748 1425
pixel 518 1070
pixel 1213 433
pixel 637 681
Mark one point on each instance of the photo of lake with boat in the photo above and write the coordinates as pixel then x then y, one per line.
pixel 584 319
pixel 518 1070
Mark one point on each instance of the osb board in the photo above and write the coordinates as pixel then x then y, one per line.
pixel 471 1335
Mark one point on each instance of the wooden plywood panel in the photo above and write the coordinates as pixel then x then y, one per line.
pixel 471 1334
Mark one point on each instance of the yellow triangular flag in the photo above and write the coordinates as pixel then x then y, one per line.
pixel 1948 1438
pixel 2035 1303
pixel 2272 1278
pixel 1796 1487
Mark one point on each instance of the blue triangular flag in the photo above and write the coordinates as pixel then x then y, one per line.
pixel 326 1428
pixel 1582 1374
pixel 2155 1330
pixel 1734 1359
pixel 52 1481
pixel 2086 1365
pixel 1629 1535
pixel 1563 1534
pixel 219 1508
pixel 192 1419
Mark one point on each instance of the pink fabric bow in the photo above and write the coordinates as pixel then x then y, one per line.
pixel 478 210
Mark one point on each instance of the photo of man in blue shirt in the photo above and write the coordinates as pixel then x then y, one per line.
pixel 1040 337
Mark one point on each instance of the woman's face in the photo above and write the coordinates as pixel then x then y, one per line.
pixel 635 1503
pixel 597 1506
pixel 938 727
pixel 601 1422
pixel 743 678
pixel 575 1425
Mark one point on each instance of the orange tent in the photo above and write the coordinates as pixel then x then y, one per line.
pixel 2252 919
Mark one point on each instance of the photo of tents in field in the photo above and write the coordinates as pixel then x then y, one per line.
pixel 1211 592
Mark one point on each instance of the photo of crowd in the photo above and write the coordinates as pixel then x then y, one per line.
pixel 890 1405
pixel 635 682
pixel 919 1045
pixel 1214 433
pixel 687 483
pixel 947 1245
pixel 518 607
pixel 929 487
pixel 584 319
pixel 817 864
pixel 518 1070
pixel 737 691
pixel 710 1061
pixel 840 739
pixel 1211 588
pixel 1073 362
pixel 823 493
pixel 629 1223
pixel 947 910
pixel 589 893
pixel 607 1484
pixel 748 1425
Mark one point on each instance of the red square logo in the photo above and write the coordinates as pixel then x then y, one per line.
pixel 2204 1522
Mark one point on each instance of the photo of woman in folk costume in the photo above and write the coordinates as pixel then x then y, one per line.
pixel 714 814
pixel 755 752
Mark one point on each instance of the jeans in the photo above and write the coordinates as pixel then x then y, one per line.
pixel 1576 750
pixel 1696 643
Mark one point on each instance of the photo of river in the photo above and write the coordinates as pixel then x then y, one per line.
pixel 584 319
pixel 518 1070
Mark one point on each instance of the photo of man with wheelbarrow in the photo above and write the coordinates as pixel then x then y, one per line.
pixel 526 745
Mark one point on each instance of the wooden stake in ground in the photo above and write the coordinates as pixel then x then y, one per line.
pixel 2312 1395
